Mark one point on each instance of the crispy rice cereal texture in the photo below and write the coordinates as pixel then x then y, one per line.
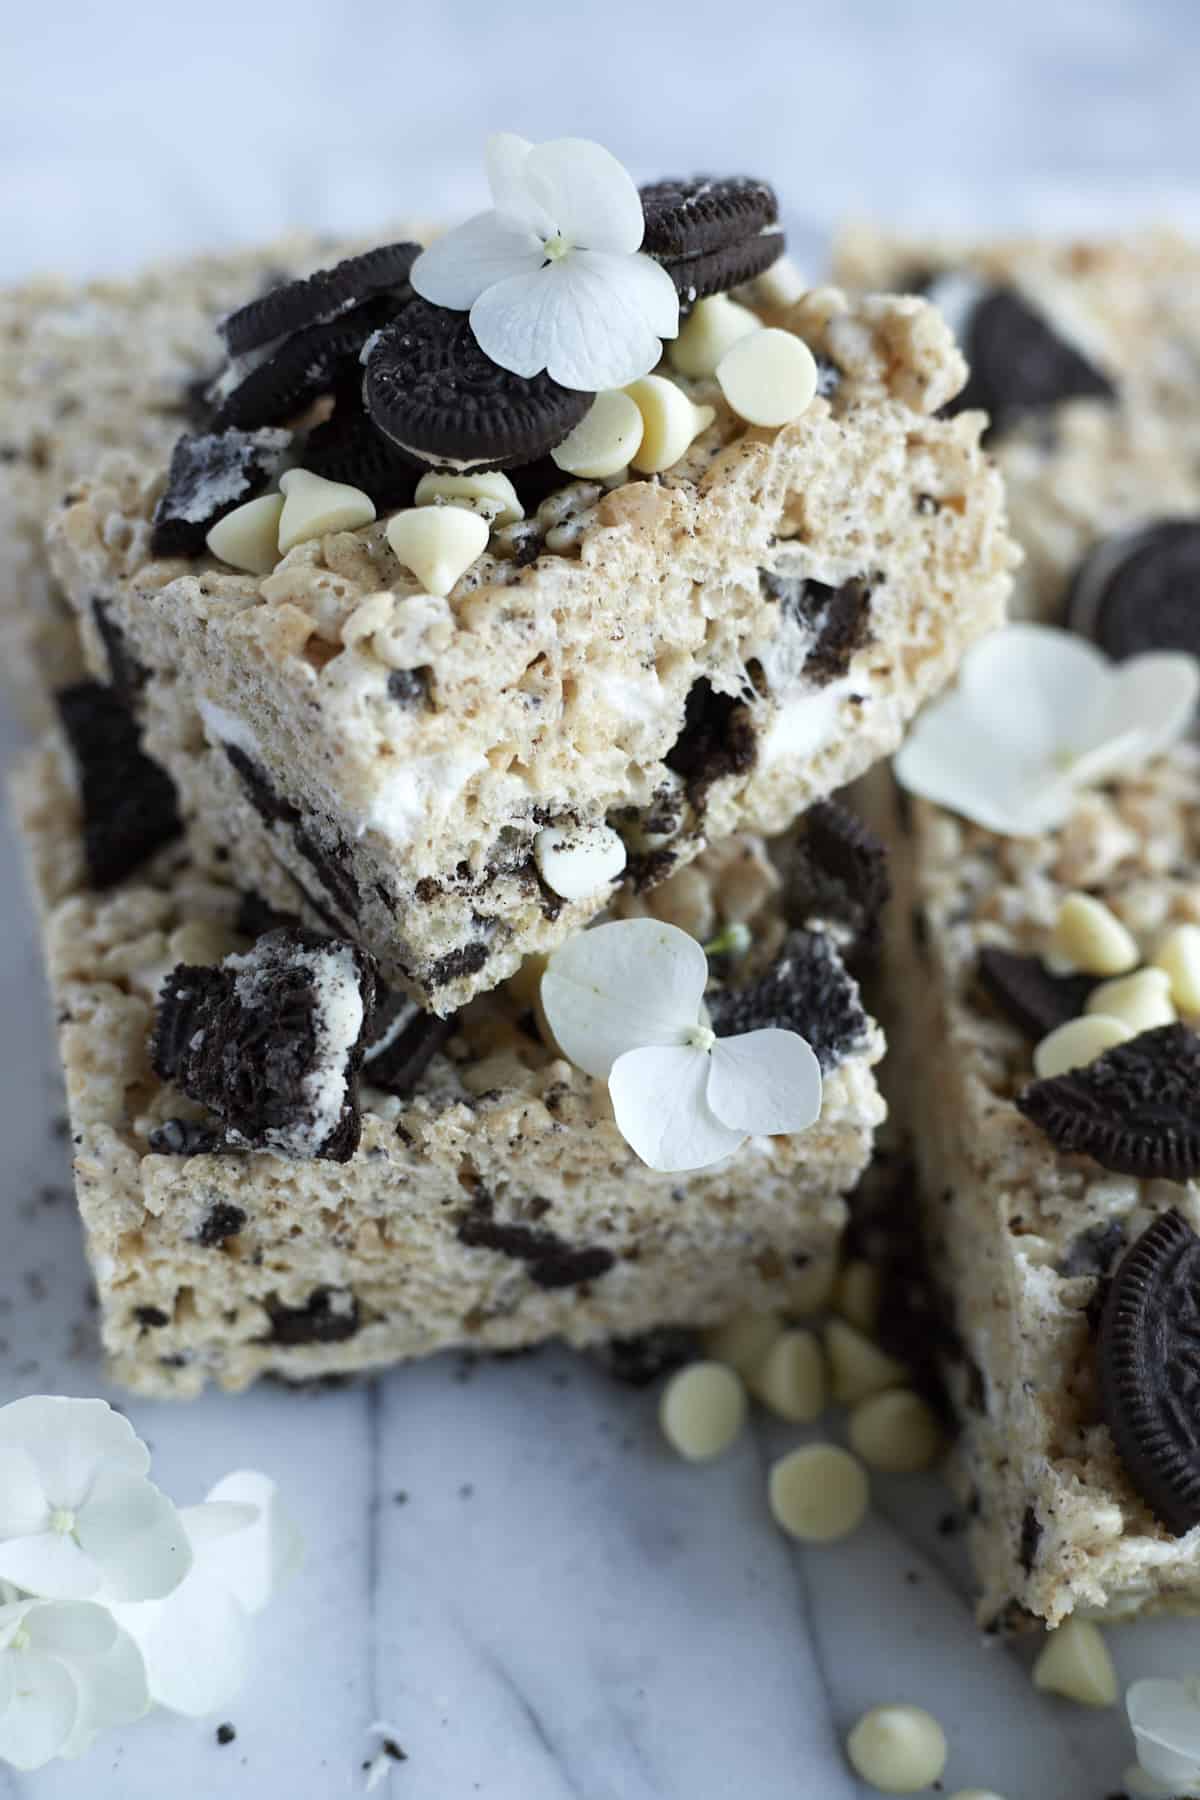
pixel 494 1206
pixel 649 656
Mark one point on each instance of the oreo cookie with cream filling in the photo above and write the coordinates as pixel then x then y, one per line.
pixel 431 390
pixel 210 474
pixel 1140 590
pixel 271 386
pixel 317 298
pixel 272 1042
pixel 130 810
pixel 1134 1110
pixel 711 233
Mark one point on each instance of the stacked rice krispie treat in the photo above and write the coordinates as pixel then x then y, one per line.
pixel 424 974
pixel 1044 950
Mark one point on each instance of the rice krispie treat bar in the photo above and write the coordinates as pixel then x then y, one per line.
pixel 83 369
pixel 503 648
pixel 1086 354
pixel 416 1185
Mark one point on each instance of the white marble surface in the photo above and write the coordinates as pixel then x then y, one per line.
pixel 558 1608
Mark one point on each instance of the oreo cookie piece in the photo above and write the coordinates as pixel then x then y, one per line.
pixel 267 387
pixel 1135 1110
pixel 404 1042
pixel 315 299
pixel 838 872
pixel 129 804
pixel 349 447
pixel 272 1042
pixel 209 475
pixel 806 989
pixel 711 234
pixel 1019 364
pixel 717 739
pixel 1027 993
pixel 1140 590
pixel 431 390
pixel 835 620
pixel 1149 1373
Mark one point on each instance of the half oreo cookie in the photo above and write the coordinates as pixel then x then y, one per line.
pixel 1140 590
pixel 711 233
pixel 318 298
pixel 1135 1110
pixel 1018 362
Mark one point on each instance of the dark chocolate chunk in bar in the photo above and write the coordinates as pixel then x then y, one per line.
pixel 221 1222
pixel 1135 1110
pixel 1019 364
pixel 1149 1357
pixel 128 802
pixel 838 618
pixel 328 1316
pixel 711 233
pixel 126 675
pixel 717 739
pixel 331 863
pixel 551 1261
pixel 1031 1537
pixel 1036 1000
pixel 1140 590
pixel 806 989
pixel 1094 1251
pixel 315 299
pixel 639 1361
pixel 183 1137
pixel 404 1043
pixel 838 871
pixel 409 687
pixel 272 1042
pixel 209 476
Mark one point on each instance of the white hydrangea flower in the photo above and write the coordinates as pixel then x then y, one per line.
pixel 553 275
pixel 1038 715
pixel 1165 1716
pixel 197 1641
pixel 78 1518
pixel 67 1671
pixel 625 1003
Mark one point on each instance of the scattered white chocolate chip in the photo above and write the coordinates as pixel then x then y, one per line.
pixel 898 1749
pixel 896 1432
pixel 605 440
pixel 489 493
pixel 438 543
pixel 1076 1664
pixel 702 1410
pixel 712 327
pixel 818 1493
pixel 578 861
pixel 769 378
pixel 313 506
pixel 1179 955
pixel 860 1368
pixel 248 537
pixel 780 285
pixel 670 422
pixel 1141 1000
pixel 743 1341
pixel 1088 936
pixel 810 1289
pixel 790 1379
pixel 1077 1043
pixel 857 1294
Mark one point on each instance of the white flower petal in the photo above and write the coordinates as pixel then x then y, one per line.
pixel 136 1536
pixel 42 1712
pixel 68 1440
pixel 71 1628
pixel 1151 700
pixel 7 1681
pixel 23 1505
pixel 592 199
pixel 212 1520
pixel 458 268
pixel 583 320
pixel 114 1689
pixel 621 986
pixel 505 157
pixel 765 1083
pixel 662 1112
pixel 50 1564
pixel 1166 1724
pixel 196 1645
pixel 254 1563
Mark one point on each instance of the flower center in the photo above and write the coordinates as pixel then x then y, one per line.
pixel 556 247
pixel 19 1639
pixel 62 1520
pixel 700 1037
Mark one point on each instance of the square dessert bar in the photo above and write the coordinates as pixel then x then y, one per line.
pixel 1078 1449
pixel 647 662
pixel 85 368
pixel 490 1201
pixel 1086 354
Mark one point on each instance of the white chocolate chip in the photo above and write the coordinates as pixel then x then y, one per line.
pixel 857 1294
pixel 896 1432
pixel 898 1749
pixel 712 328
pixel 1076 1664
pixel 860 1368
pixel 1088 936
pixel 810 1289
pixel 313 506
pixel 790 1379
pixel 818 1493
pixel 489 493
pixel 438 543
pixel 780 285
pixel 670 422
pixel 769 378
pixel 1077 1043
pixel 1141 1000
pixel 743 1341
pixel 702 1410
pixel 580 861
pixel 248 537
pixel 1179 955
pixel 605 439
